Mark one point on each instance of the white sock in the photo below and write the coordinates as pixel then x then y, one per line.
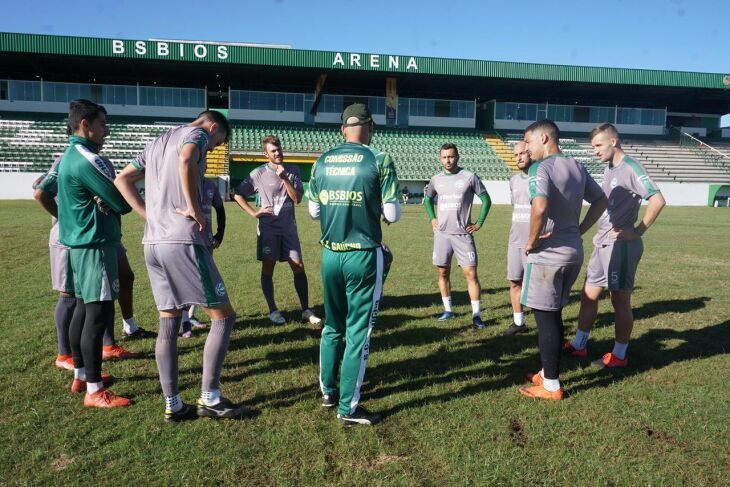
pixel 475 308
pixel 619 349
pixel 185 316
pixel 173 403
pixel 447 303
pixel 551 385
pixel 129 326
pixel 519 318
pixel 92 387
pixel 542 373
pixel 191 311
pixel 80 374
pixel 581 339
pixel 211 398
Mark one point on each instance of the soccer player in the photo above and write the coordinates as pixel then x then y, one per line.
pixel 211 198
pixel 45 191
pixel 453 230
pixel 89 209
pixel 516 258
pixel 176 248
pixel 352 184
pixel 617 244
pixel 558 185
pixel 279 188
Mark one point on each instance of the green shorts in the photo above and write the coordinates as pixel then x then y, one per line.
pixel 95 273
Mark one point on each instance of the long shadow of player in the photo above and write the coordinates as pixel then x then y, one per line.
pixel 651 352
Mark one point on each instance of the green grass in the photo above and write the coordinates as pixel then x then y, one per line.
pixel 448 393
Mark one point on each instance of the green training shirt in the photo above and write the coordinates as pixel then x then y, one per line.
pixel 83 174
pixel 351 182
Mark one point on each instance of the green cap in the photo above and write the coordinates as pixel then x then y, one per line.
pixel 359 111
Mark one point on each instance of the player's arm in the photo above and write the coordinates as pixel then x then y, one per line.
pixel 313 195
pixel 389 189
pixel 429 193
pixel 486 205
pixel 595 196
pixel 46 201
pixel 95 179
pixel 538 217
pixel 655 206
pixel 188 170
pixel 220 218
pixel 293 193
pixel 125 183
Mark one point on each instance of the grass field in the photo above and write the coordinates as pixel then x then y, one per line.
pixel 453 415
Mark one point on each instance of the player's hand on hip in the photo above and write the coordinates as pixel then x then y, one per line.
pixel 624 234
pixel 473 227
pixel 266 210
pixel 193 215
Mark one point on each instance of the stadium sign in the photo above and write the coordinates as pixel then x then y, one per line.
pixel 374 61
pixel 281 56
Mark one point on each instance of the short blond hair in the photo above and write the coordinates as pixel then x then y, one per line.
pixel 605 128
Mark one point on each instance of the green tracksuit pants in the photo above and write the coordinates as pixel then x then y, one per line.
pixel 353 284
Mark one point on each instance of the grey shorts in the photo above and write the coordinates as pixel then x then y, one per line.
pixel 445 245
pixel 516 263
pixel 183 274
pixel 62 279
pixel 614 266
pixel 278 247
pixel 547 288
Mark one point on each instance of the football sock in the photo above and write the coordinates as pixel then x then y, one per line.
pixel 267 286
pixel 130 325
pixel 166 354
pixel 550 341
pixel 619 349
pixel 173 403
pixel 551 385
pixel 475 308
pixel 211 398
pixel 214 352
pixel 99 317
pixel 447 303
pixel 581 339
pixel 302 288
pixel 92 387
pixel 519 318
pixel 80 374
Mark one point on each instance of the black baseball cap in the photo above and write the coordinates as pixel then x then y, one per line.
pixel 360 111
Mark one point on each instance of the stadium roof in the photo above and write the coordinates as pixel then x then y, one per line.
pixel 237 53
pixel 220 65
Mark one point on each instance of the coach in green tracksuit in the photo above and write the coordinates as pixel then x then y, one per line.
pixel 351 186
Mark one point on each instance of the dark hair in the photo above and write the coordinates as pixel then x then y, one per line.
pixel 605 127
pixel 81 109
pixel 270 139
pixel 545 126
pixel 218 118
pixel 448 146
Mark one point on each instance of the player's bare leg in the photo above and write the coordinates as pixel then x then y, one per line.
pixel 518 317
pixel 475 292
pixel 589 297
pixel 444 273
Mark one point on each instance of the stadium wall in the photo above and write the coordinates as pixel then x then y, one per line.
pixel 127 110
pixel 17 186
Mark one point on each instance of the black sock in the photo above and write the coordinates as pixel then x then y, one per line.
pixel 267 286
pixel 302 288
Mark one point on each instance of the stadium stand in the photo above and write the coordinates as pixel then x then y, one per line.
pixel 579 149
pixel 667 160
pixel 415 151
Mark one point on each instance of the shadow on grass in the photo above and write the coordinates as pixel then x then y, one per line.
pixel 432 299
pixel 648 352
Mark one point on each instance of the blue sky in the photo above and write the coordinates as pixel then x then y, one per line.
pixel 655 34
